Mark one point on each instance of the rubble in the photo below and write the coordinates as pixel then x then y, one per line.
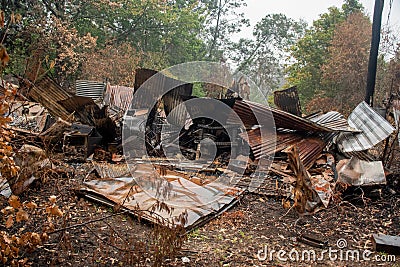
pixel 297 161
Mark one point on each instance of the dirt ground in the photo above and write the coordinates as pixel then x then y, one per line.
pixel 94 235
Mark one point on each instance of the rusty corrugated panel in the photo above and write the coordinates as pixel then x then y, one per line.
pixel 172 101
pixel 150 88
pixel 107 170
pixel 288 100
pixel 248 112
pixel 48 93
pixel 142 75
pixel 309 150
pixel 154 86
pixel 309 147
pixel 120 96
pixel 268 146
pixel 183 195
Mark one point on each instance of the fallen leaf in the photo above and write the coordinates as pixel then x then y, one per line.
pixel 10 221
pixel 54 210
pixel 7 240
pixel 14 202
pixel 31 205
pixel 7 210
pixel 53 199
pixel 21 216
pixel 35 239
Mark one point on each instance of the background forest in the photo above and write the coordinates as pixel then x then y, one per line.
pixel 109 39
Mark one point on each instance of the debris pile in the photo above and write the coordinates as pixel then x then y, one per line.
pixel 199 166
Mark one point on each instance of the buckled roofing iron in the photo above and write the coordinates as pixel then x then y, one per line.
pixel 373 126
pixel 288 100
pixel 48 93
pixel 333 120
pixel 309 147
pixel 199 203
pixel 248 112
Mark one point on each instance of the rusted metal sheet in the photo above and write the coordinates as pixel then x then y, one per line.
pixel 84 109
pixel 173 100
pixel 186 197
pixel 309 150
pixel 288 100
pixel 119 96
pixel 48 93
pixel 156 86
pixel 142 75
pixel 309 147
pixel 268 146
pixel 92 89
pixel 249 112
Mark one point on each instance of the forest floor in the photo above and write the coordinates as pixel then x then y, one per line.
pixel 250 234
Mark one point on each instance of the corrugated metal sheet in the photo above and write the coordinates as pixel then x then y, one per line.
pixel 92 89
pixel 76 103
pixel 333 120
pixel 48 93
pixel 142 75
pixel 309 147
pixel 155 86
pixel 373 126
pixel 249 112
pixel 151 88
pixel 199 203
pixel 268 146
pixel 119 96
pixel 172 101
pixel 288 100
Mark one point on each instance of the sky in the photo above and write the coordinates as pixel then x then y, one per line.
pixel 309 10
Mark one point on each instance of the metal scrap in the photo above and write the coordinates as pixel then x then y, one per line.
pixel 288 100
pixel 252 114
pixel 80 141
pixel 386 244
pixel 185 196
pixel 358 172
pixel 374 129
pixel 91 89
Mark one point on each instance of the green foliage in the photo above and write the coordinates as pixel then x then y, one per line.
pixel 261 58
pixel 198 90
pixel 222 19
pixel 311 52
pixel 163 33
